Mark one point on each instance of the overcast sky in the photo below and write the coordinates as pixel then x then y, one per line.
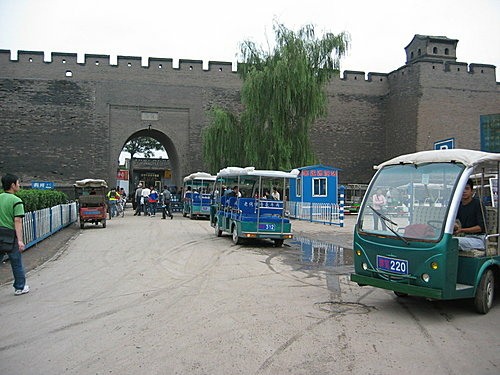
pixel 213 30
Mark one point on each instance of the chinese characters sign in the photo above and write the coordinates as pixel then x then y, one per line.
pixel 122 175
pixel 42 185
pixel 316 173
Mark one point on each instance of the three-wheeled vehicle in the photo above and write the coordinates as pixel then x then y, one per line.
pixel 412 250
pixel 197 200
pixel 251 212
pixel 92 201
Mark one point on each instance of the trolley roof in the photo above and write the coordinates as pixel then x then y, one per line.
pixel 89 182
pixel 199 176
pixel 252 172
pixel 469 158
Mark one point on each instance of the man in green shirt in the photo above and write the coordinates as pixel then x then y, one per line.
pixel 11 230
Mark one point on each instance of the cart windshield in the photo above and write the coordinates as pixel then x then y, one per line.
pixel 410 201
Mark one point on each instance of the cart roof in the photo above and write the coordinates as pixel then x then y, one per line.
pixel 199 176
pixel 251 171
pixel 469 158
pixel 89 182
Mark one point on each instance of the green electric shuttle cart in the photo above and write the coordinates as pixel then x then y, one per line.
pixel 251 212
pixel 197 199
pixel 409 247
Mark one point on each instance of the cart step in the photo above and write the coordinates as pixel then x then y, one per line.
pixel 464 286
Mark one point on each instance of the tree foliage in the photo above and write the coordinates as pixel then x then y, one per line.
pixel 142 145
pixel 222 141
pixel 283 94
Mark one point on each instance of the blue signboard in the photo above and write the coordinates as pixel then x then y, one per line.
pixel 445 144
pixel 42 185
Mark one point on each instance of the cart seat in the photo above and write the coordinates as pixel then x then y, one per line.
pixel 426 214
pixel 491 242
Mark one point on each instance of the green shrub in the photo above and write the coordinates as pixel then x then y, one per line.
pixel 35 200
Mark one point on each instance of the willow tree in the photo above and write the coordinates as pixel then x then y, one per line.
pixel 283 94
pixel 222 140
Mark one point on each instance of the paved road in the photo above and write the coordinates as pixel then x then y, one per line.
pixel 151 296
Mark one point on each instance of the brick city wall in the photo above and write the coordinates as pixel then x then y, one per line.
pixel 63 120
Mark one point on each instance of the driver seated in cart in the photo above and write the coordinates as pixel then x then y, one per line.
pixel 470 223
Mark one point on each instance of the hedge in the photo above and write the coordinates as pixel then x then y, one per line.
pixel 35 200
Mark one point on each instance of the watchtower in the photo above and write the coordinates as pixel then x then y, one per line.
pixel 426 47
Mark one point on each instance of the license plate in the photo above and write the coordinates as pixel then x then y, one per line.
pixel 267 227
pixel 392 265
pixel 91 212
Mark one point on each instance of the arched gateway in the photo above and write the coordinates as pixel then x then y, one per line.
pixel 173 162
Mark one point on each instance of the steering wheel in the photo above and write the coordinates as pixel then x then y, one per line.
pixel 438 222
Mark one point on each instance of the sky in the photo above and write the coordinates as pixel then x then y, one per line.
pixel 213 30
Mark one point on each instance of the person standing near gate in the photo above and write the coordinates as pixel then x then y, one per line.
pixel 145 199
pixel 11 231
pixel 166 196
pixel 137 199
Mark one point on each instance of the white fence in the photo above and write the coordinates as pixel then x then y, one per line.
pixel 40 224
pixel 327 213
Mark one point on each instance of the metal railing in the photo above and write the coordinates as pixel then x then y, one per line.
pixel 326 213
pixel 38 225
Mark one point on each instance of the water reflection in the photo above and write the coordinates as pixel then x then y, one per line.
pixel 322 253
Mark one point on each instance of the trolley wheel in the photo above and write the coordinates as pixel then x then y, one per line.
pixel 401 294
pixel 483 301
pixel 278 242
pixel 218 231
pixel 82 224
pixel 104 223
pixel 236 239
pixel 184 214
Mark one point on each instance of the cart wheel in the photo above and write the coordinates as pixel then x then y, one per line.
pixel 236 239
pixel 104 223
pixel 218 231
pixel 184 214
pixel 82 224
pixel 278 242
pixel 483 300
pixel 401 294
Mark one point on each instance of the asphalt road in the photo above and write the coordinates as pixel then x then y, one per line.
pixel 151 296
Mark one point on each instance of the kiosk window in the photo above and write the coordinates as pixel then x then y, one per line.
pixel 319 187
pixel 298 186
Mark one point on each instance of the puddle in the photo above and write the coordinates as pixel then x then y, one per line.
pixel 320 253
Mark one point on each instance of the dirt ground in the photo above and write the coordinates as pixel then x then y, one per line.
pixel 152 296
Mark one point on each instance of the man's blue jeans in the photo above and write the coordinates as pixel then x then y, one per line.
pixel 112 207
pixel 16 263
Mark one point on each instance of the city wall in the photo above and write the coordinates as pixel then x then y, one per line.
pixel 64 120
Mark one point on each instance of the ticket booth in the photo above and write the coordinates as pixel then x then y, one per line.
pixel 315 184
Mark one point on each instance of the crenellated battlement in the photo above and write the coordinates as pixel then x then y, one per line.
pixel 65 59
pixel 60 65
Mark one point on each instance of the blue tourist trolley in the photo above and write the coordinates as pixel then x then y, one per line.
pixel 197 195
pixel 251 212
